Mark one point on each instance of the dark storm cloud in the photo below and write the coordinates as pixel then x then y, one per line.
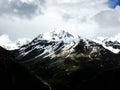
pixel 21 8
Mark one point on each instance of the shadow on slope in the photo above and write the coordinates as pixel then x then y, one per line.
pixel 14 76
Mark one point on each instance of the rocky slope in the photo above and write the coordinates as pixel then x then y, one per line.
pixel 69 62
pixel 65 61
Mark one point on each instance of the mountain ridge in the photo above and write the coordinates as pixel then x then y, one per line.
pixel 55 44
pixel 69 62
pixel 112 44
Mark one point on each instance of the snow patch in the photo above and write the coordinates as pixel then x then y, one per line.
pixel 103 40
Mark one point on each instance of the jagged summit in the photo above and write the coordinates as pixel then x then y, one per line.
pixel 55 36
pixel 50 43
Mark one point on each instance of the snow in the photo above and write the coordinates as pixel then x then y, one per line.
pixel 69 42
pixel 22 41
pixel 116 38
pixel 47 36
pixel 113 39
pixel 102 40
pixel 56 36
pixel 112 49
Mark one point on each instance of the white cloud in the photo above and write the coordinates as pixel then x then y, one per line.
pixel 4 39
pixel 11 45
pixel 108 22
pixel 21 8
pixel 78 14
pixel 87 18
pixel 27 1
pixel 108 18
pixel 6 42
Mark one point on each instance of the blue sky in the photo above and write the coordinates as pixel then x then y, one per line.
pixel 87 18
pixel 114 3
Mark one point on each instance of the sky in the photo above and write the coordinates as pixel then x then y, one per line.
pixel 86 18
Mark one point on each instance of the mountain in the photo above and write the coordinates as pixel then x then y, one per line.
pixel 49 44
pixel 15 76
pixel 69 62
pixel 57 44
pixel 112 44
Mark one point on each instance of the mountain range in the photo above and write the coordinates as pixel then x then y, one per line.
pixel 65 61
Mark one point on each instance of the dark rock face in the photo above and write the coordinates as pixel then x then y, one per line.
pixel 16 77
pixel 114 44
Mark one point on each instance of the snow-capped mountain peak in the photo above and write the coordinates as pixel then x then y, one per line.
pixel 49 43
pixel 112 44
pixel 62 43
pixel 55 36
